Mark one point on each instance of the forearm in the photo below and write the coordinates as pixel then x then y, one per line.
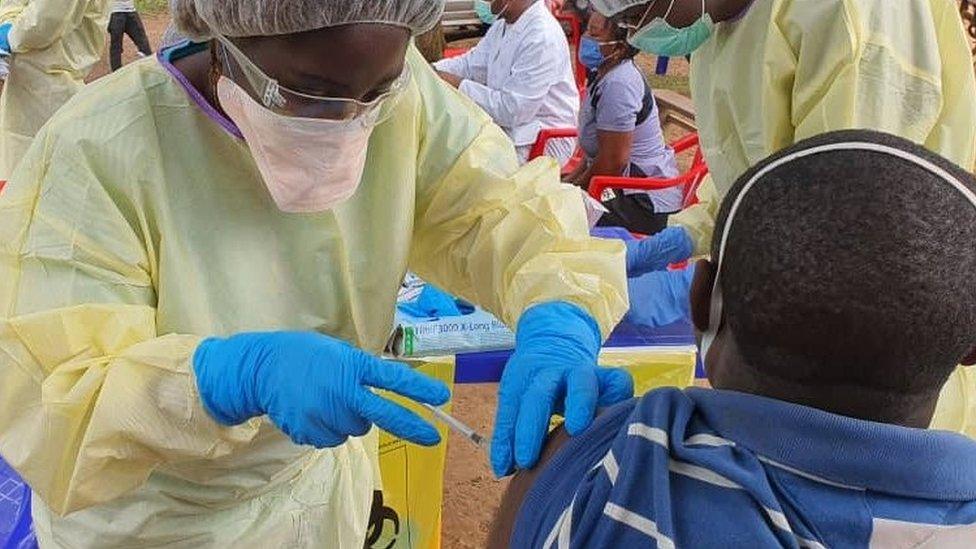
pixel 43 22
pixel 457 66
pixel 507 107
pixel 581 176
pixel 609 165
pixel 104 384
pixel 508 241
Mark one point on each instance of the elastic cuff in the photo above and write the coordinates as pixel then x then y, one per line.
pixel 206 373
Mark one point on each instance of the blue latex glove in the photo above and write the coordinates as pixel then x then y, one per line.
pixel 313 387
pixel 554 369
pixel 5 38
pixel 660 298
pixel 672 245
pixel 431 303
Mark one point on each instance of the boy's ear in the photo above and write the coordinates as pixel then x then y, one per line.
pixel 701 294
pixel 970 359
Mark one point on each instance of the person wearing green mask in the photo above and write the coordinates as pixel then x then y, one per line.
pixel 766 74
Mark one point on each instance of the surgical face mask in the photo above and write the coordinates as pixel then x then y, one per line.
pixel 590 54
pixel 660 38
pixel 483 9
pixel 715 309
pixel 308 164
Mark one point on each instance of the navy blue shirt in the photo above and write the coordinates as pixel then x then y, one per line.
pixel 704 468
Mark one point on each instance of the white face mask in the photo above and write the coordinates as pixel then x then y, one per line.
pixel 308 164
pixel 715 310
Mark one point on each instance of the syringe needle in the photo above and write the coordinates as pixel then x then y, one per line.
pixel 458 427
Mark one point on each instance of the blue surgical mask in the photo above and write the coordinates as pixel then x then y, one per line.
pixel 589 53
pixel 483 9
pixel 660 38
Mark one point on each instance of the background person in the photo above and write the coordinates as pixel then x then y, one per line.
pixel 767 74
pixel 620 131
pixel 189 298
pixel 55 44
pixel 125 20
pixel 520 73
pixel 827 357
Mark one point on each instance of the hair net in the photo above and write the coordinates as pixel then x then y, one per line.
pixel 609 8
pixel 202 19
pixel 171 37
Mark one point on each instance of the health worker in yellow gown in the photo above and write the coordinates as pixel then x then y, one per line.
pixel 200 256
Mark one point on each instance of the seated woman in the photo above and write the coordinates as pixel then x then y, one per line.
pixel 620 131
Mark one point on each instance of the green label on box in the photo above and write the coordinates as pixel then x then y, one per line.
pixel 409 337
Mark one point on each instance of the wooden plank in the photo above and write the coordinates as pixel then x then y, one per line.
pixel 676 109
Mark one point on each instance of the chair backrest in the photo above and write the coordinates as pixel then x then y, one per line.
pixel 575 24
pixel 688 181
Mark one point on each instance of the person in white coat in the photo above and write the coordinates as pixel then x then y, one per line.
pixel 521 74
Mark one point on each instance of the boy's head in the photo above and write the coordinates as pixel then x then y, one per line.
pixel 846 278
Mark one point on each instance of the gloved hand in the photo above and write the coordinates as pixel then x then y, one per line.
pixel 671 245
pixel 313 387
pixel 660 298
pixel 431 303
pixel 554 369
pixel 5 38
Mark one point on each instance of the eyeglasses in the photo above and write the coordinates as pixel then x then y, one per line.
pixel 288 102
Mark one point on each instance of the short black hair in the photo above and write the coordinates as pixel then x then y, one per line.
pixel 620 32
pixel 852 267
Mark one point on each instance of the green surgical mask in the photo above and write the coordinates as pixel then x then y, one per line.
pixel 660 38
pixel 483 9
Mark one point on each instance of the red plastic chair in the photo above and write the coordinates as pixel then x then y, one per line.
pixel 690 180
pixel 454 52
pixel 575 25
pixel 542 140
pixel 2 185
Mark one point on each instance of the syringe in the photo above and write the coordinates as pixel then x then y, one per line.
pixel 458 427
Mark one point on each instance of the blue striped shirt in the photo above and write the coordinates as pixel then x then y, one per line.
pixel 703 468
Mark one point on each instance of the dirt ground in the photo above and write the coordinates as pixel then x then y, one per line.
pixel 471 493
pixel 155 27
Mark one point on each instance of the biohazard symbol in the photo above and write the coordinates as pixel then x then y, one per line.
pixel 379 515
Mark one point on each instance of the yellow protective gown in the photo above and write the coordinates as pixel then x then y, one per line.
pixel 55 44
pixel 139 225
pixel 793 69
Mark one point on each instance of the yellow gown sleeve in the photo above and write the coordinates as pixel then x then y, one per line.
pixel 699 220
pixel 43 22
pixel 955 133
pixel 847 68
pixel 94 398
pixel 866 76
pixel 503 236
